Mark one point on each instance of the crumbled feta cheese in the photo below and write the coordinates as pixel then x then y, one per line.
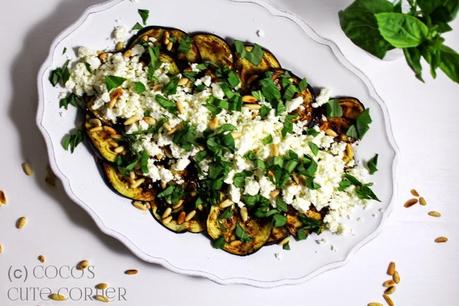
pixel 294 104
pixel 120 33
pixel 322 98
pixel 252 187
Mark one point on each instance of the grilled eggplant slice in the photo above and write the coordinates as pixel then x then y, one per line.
pixel 258 230
pixel 103 138
pixel 278 234
pixel 295 222
pixel 214 49
pixel 352 108
pixel 170 39
pixel 122 186
pixel 248 71
pixel 173 68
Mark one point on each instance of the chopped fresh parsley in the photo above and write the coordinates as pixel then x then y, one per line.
pixel 363 191
pixel 112 82
pixel 218 243
pixel 171 86
pixel 233 79
pixel 153 52
pixel 279 220
pixel 186 137
pixel 137 27
pixel 361 126
pixel 267 140
pixel 314 148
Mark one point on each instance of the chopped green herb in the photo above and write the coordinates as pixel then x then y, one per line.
pixel 218 243
pixel 241 234
pixel 72 140
pixel 268 140
pixel 290 91
pixel 71 99
pixel 227 213
pixel 303 85
pixel 233 79
pixel 167 104
pixel 139 87
pixel 137 27
pixel 112 81
pixel 171 86
pixel 288 124
pixel 279 220
pixel 314 148
pixel 185 44
pixel 254 56
pixel 264 111
pixel 372 164
pixel 286 246
pixel 186 137
pixel 144 14
pixel 302 234
pixel 333 109
pixel 60 75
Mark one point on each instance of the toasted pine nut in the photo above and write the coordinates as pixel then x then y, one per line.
pixel 435 214
pixel 274 193
pixel 441 239
pixel 179 203
pixel 103 56
pixel 27 168
pixel 391 268
pixel 111 131
pixel 422 201
pixel 167 220
pixel 244 214
pixel 119 46
pixel 119 149
pixel 396 277
pixel 180 107
pixel 348 154
pixel 128 53
pixel 249 99
pixel 149 120
pixel 131 272
pixel 113 143
pixel 114 97
pixel 190 215
pixel 226 203
pixel 274 149
pixel 181 218
pixel 169 46
pixel 101 298
pixel 313 215
pixel 410 202
pixel 1 248
pixel 389 290
pixel 414 192
pixel 41 258
pixel 253 106
pixel 389 283
pixel 138 183
pixel 56 297
pixel 2 198
pixel 102 286
pixel 139 205
pixel 95 122
pixel 21 223
pixel 132 120
pixel 330 132
pixel 375 304
pixel 166 213
pixel 213 123
pixel 96 129
pixel 388 300
pixel 182 82
pixel 82 265
pixel 166 37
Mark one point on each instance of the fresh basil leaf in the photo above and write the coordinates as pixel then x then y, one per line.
pixel 144 161
pixel 233 79
pixel 429 6
pixel 227 213
pixel 218 243
pixel 268 140
pixel 286 246
pixel 60 75
pixel 449 63
pixel 360 26
pixel 413 58
pixel 139 87
pixel 270 90
pixel 302 234
pixel 333 109
pixel 241 234
pixel 365 193
pixel 303 84
pixel 290 92
pixel 352 132
pixel 186 137
pixel 264 111
pixel 144 14
pixel 72 140
pixel 254 56
pixel 153 52
pixel 171 86
pixel 112 82
pixel 372 164
pixel 401 30
pixel 361 126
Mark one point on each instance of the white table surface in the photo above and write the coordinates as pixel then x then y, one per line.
pixel 426 127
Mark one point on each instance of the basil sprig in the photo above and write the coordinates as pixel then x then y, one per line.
pixel 378 26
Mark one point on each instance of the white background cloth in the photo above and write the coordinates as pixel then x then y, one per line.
pixel 426 128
